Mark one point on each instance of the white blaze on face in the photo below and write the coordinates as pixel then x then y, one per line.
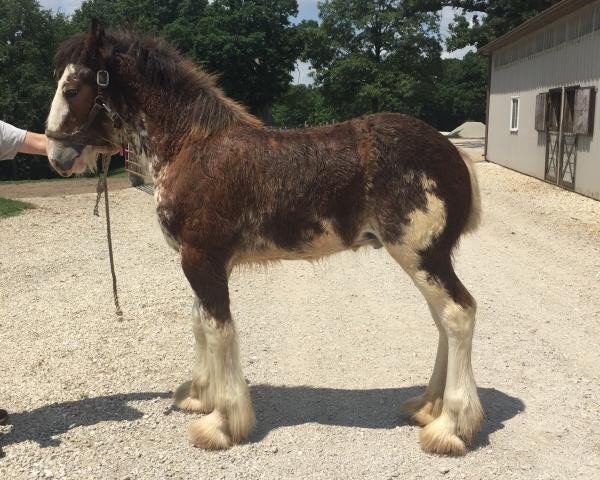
pixel 60 107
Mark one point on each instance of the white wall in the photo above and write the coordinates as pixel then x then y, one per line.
pixel 575 62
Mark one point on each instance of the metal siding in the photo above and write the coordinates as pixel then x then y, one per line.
pixel 572 63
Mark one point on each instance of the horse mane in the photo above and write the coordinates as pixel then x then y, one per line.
pixel 160 65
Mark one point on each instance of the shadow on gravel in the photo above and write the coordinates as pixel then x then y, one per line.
pixel 43 423
pixel 281 406
pixel 276 406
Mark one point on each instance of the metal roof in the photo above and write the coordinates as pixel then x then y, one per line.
pixel 548 16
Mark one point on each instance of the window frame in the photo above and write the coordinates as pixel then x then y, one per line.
pixel 512 102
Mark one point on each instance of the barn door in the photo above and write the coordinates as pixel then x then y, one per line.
pixel 566 116
pixel 568 140
pixel 568 160
pixel 553 119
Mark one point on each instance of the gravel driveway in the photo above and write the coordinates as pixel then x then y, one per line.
pixel 330 349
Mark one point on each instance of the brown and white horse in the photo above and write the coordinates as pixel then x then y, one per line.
pixel 231 191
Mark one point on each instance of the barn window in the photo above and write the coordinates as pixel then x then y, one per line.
pixel 583 111
pixel 541 112
pixel 514 114
pixel 569 110
pixel 554 110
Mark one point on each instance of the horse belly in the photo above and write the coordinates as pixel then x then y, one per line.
pixel 328 243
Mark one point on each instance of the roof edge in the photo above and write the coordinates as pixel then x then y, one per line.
pixel 548 16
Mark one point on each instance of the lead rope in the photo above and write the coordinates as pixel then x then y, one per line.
pixel 103 187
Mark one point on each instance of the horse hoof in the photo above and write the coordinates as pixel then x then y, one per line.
pixel 3 417
pixel 421 410
pixel 185 399
pixel 439 437
pixel 210 432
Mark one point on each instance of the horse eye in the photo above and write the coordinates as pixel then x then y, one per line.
pixel 72 92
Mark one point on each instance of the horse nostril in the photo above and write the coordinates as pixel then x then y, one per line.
pixel 58 169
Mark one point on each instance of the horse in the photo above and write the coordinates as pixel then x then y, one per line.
pixel 231 191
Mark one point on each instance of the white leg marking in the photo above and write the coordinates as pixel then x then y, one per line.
pixel 233 417
pixel 461 412
pixel 423 409
pixel 196 395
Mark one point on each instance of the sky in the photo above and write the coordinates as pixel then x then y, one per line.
pixel 307 10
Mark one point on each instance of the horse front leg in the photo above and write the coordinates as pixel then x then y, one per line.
pixel 217 382
pixel 195 395
pixel 425 408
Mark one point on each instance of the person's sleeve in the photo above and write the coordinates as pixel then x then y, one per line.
pixel 11 139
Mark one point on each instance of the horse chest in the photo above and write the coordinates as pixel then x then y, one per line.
pixel 166 216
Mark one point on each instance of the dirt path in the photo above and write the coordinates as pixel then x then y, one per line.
pixel 54 188
pixel 330 349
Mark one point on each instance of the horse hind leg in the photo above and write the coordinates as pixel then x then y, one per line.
pixel 450 408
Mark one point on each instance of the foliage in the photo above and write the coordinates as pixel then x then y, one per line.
pixel 499 16
pixel 461 92
pixel 254 47
pixel 372 56
pixel 301 105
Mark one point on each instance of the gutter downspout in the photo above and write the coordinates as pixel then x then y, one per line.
pixel 487 107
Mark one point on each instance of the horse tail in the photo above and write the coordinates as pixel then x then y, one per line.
pixel 474 218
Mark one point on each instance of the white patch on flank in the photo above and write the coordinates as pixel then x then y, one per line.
pixel 422 228
pixel 59 108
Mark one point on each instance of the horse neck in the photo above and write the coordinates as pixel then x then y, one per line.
pixel 195 109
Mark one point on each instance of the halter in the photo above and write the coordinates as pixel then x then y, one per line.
pixel 81 136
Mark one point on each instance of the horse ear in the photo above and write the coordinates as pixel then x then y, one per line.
pixel 94 40
pixel 96 32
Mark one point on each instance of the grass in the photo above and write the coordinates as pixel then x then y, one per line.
pixel 117 172
pixel 10 208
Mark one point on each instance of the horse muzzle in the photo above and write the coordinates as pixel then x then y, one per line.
pixel 63 157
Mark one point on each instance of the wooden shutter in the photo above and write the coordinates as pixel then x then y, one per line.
pixel 583 120
pixel 541 110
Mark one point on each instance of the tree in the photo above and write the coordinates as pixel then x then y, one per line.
pixel 301 105
pixel 253 46
pixel 494 18
pixel 372 56
pixel 460 92
pixel 175 20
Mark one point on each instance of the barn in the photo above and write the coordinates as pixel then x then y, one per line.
pixel 542 87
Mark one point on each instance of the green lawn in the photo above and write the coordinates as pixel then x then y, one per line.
pixel 10 208
pixel 117 172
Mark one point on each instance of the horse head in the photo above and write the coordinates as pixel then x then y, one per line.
pixel 82 120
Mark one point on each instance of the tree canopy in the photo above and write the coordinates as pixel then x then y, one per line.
pixel 492 18
pixel 374 56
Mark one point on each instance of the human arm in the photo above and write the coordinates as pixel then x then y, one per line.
pixel 34 143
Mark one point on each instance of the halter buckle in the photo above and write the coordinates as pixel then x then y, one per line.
pixel 102 78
